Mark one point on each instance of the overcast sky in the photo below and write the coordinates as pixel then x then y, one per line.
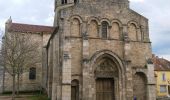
pixel 41 12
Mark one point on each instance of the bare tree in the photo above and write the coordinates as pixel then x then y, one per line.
pixel 19 52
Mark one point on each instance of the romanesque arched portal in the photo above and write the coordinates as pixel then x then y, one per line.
pixel 108 77
pixel 106 74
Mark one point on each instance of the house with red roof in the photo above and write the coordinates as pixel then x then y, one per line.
pixel 162 74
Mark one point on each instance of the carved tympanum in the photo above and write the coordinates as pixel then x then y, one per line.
pixel 106 69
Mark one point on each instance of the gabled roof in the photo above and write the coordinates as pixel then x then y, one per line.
pixel 161 64
pixel 19 27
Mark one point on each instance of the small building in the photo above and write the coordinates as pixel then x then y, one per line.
pixel 162 73
pixel 31 79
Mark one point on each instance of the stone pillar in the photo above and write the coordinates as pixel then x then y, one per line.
pixel 127 62
pixel 85 80
pixel 66 60
pixel 85 66
pixel 55 82
pixel 151 86
pixel 66 78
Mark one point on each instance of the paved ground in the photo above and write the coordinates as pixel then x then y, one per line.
pixel 9 98
pixel 163 99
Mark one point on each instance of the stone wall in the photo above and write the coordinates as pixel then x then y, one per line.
pixel 81 43
pixel 25 83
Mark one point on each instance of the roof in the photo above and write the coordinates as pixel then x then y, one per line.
pixel 161 64
pixel 18 27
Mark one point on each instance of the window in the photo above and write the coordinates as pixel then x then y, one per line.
pixel 163 77
pixel 163 88
pixel 76 1
pixel 32 73
pixel 63 1
pixel 104 29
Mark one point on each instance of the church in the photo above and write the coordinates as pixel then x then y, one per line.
pixel 97 50
pixel 100 50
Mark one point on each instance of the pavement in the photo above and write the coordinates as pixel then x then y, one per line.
pixel 23 97
pixel 165 98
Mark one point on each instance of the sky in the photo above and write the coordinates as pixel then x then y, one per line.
pixel 41 12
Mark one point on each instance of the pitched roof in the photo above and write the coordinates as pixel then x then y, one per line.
pixel 161 64
pixel 19 27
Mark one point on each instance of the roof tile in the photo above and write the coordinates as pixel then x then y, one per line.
pixel 18 27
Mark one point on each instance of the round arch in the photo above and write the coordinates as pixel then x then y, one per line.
pixel 76 17
pixel 106 20
pixel 93 19
pixel 140 86
pixel 116 21
pixel 134 23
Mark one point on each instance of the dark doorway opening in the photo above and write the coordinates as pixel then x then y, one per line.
pixel 75 90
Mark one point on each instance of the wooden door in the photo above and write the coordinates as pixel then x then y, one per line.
pixel 104 89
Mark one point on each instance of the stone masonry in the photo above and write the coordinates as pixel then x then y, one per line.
pixel 38 34
pixel 99 50
pixel 99 46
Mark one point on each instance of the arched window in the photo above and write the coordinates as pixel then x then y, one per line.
pixel 104 29
pixel 115 31
pixel 76 1
pixel 75 90
pixel 63 1
pixel 32 73
pixel 132 32
pixel 93 29
pixel 75 27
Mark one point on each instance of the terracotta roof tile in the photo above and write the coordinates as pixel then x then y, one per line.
pixel 161 64
pixel 18 27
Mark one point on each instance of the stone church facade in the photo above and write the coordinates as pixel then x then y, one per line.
pixel 100 50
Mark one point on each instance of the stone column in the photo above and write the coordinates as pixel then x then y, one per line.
pixel 55 82
pixel 66 61
pixel 85 80
pixel 151 86
pixel 85 65
pixel 127 62
pixel 66 78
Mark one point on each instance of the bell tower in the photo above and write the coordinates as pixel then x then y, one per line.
pixel 64 2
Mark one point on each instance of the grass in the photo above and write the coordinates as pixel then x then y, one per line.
pixel 29 95
pixel 38 97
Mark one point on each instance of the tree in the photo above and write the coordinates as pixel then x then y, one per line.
pixel 19 52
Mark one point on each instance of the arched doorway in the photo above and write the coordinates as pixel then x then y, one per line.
pixel 75 90
pixel 106 74
pixel 139 86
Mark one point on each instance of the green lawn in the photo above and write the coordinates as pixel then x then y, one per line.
pixel 38 97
